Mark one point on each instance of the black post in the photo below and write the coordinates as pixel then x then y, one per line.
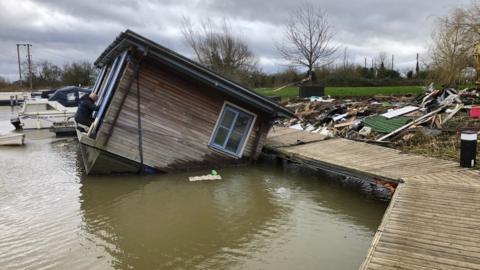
pixel 468 149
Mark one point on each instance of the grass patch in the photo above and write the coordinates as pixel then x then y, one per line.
pixel 290 92
pixel 445 146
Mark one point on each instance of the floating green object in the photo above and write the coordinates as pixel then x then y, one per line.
pixel 381 124
pixel 214 172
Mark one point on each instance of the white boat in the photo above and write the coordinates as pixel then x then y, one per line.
pixel 42 113
pixel 13 98
pixel 58 109
pixel 12 139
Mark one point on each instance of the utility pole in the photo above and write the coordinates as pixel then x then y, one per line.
pixel 365 63
pixel 29 57
pixel 29 61
pixel 417 67
pixel 393 57
pixel 19 65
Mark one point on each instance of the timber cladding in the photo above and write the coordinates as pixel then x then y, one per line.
pixel 178 117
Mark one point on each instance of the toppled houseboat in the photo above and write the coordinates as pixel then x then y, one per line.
pixel 162 112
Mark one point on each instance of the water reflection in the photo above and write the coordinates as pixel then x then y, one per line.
pixel 248 220
pixel 175 223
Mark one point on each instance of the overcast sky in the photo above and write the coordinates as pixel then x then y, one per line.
pixel 62 31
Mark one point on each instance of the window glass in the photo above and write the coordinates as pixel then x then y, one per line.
pixel 240 128
pixel 106 81
pixel 111 83
pixel 228 118
pixel 98 81
pixel 242 123
pixel 221 137
pixel 231 132
pixel 71 97
pixel 234 142
pixel 35 107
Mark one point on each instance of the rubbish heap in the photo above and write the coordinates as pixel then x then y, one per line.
pixel 388 119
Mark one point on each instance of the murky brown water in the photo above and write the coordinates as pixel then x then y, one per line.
pixel 258 217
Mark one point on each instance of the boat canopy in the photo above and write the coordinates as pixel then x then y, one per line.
pixel 69 96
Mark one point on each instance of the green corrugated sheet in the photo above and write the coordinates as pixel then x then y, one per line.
pixel 382 124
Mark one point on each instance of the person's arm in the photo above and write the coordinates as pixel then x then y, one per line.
pixel 91 106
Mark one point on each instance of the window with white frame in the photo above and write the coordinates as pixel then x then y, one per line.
pixel 232 130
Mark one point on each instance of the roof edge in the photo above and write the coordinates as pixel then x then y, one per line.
pixel 129 38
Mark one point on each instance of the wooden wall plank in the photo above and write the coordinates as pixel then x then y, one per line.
pixel 178 117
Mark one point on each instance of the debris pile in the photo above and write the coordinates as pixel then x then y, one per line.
pixel 389 119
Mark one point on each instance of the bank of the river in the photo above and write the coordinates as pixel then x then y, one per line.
pixel 258 217
pixel 291 92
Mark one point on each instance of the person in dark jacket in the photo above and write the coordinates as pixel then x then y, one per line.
pixel 85 109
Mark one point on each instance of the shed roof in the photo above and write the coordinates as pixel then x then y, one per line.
pixel 192 69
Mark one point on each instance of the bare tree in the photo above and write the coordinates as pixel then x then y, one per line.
pixel 345 59
pixel 470 20
pixel 47 73
pixel 218 49
pixel 452 48
pixel 78 73
pixel 381 60
pixel 308 38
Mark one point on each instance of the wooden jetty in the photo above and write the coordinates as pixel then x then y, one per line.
pixel 433 219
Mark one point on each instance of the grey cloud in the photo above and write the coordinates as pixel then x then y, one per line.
pixel 84 28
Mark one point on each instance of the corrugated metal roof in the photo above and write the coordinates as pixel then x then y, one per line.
pixel 191 68
pixel 382 124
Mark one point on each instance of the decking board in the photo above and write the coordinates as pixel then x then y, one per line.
pixel 433 220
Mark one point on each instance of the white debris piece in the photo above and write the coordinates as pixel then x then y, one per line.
pixel 401 111
pixel 299 127
pixel 325 132
pixel 321 99
pixel 205 177
pixel 365 131
pixel 339 117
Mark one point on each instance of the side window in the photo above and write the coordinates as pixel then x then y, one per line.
pixel 232 130
pixel 71 96
pixel 99 80
pixel 107 91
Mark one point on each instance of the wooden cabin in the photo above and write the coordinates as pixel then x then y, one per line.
pixel 162 112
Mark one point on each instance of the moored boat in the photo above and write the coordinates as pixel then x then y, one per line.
pixel 39 114
pixel 58 110
pixel 12 139
pixel 13 98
